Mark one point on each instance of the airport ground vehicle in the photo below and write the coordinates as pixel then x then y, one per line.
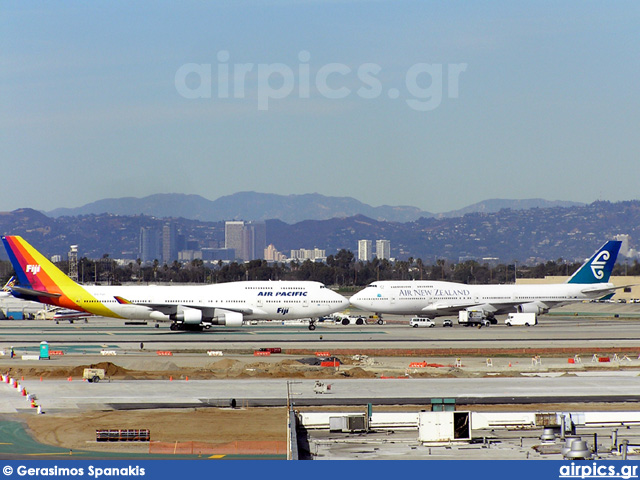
pixel 526 319
pixel 93 375
pixel 473 317
pixel 447 322
pixel 271 349
pixel 421 322
pixel 344 319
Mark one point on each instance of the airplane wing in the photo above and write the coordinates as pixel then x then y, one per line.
pixel 66 314
pixel 244 311
pixel 171 309
pixel 496 308
pixel 448 307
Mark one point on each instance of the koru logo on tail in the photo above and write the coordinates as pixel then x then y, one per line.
pixel 597 266
pixel 34 269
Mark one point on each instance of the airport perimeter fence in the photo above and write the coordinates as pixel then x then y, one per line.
pixel 249 447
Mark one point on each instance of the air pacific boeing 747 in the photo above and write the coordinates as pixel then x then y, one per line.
pixel 186 307
pixel 432 298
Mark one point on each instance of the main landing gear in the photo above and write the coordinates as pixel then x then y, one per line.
pixel 189 326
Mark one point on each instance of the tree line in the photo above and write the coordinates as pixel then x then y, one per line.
pixel 341 269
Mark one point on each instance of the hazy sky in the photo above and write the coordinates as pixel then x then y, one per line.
pixel 432 104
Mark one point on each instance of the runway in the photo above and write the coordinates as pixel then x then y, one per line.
pixel 82 343
pixel 64 396
pixel 553 332
pixel 511 379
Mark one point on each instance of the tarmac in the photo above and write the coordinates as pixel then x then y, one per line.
pixel 63 395
pixel 495 366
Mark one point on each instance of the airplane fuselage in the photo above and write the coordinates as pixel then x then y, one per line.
pixel 253 300
pixel 444 298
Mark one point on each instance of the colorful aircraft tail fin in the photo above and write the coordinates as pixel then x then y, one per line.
pixel 34 271
pixel 598 268
pixel 42 281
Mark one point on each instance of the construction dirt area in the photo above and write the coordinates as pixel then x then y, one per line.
pixel 77 429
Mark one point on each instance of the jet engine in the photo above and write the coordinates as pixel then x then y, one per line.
pixel 190 315
pixel 230 319
pixel 536 308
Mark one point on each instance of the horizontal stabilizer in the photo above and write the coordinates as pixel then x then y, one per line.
pixel 30 292
pixel 610 289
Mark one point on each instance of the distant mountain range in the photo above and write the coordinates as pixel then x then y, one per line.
pixel 286 208
pixel 495 205
pixel 533 235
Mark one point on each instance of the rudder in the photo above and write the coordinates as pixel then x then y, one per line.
pixel 33 269
pixel 598 268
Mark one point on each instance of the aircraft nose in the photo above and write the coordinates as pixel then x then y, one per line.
pixel 355 300
pixel 345 302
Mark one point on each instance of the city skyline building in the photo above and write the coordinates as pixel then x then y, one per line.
pixel 316 255
pixel 233 236
pixel 170 244
pixel 624 248
pixel 149 244
pixel 271 254
pixel 365 251
pixel 383 249
pixel 255 240
pixel 248 239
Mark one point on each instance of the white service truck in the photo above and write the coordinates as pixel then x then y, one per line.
pixel 527 319
pixel 473 317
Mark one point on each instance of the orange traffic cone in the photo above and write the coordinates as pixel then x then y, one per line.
pixel 171 378
pixel 187 378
